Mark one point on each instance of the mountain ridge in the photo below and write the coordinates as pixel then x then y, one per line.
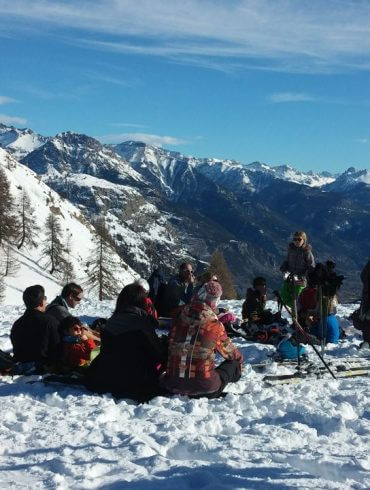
pixel 163 207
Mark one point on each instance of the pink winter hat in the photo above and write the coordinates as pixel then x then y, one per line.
pixel 210 293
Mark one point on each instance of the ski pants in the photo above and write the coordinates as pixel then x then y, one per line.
pixel 229 372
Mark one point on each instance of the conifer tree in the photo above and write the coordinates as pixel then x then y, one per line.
pixel 101 264
pixel 8 221
pixel 28 229
pixel 9 264
pixel 219 267
pixel 53 249
pixel 67 265
pixel 2 288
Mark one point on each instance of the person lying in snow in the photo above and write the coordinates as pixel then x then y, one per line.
pixel 77 344
pixel 195 337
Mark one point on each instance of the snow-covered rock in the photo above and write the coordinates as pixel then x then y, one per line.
pixel 20 142
pixel 349 179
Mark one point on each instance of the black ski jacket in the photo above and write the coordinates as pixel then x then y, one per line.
pixel 130 353
pixel 35 338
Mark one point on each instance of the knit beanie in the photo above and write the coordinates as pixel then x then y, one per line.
pixel 210 293
pixel 143 283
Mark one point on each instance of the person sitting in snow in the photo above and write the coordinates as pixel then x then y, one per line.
pixel 254 307
pixel 178 292
pixel 35 336
pixel 195 337
pixel 150 308
pixel 77 344
pixel 132 356
pixel 311 311
pixel 70 297
pixel 260 324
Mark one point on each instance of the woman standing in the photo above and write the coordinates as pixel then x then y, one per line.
pixel 297 264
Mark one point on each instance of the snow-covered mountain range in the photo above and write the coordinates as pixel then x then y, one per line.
pixel 163 207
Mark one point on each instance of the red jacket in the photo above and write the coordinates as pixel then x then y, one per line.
pixel 195 337
pixel 76 354
pixel 150 307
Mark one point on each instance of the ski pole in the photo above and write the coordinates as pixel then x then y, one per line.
pixel 302 331
pixel 295 315
pixel 319 292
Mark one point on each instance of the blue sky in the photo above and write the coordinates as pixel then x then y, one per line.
pixel 279 81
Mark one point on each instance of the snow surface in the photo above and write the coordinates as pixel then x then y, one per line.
pixel 313 435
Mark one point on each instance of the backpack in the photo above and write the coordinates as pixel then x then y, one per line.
pixel 7 362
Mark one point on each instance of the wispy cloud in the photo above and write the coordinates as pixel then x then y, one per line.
pixel 285 35
pixel 282 97
pixel 151 139
pixel 103 77
pixel 6 100
pixel 363 141
pixel 129 125
pixel 5 119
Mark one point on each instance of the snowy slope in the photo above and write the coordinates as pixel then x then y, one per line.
pixel 43 199
pixel 314 435
pixel 99 181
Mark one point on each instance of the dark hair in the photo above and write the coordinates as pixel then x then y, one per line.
pixel 325 276
pixel 205 277
pixel 259 281
pixel 71 288
pixel 68 322
pixel 131 295
pixel 183 265
pixel 33 296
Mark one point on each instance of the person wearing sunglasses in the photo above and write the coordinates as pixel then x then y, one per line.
pixel 34 336
pixel 298 263
pixel 70 297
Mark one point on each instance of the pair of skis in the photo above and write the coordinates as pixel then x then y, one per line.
pixel 316 373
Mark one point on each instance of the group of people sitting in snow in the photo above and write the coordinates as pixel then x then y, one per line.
pixel 125 356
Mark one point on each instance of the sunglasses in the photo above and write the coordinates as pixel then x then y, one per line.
pixel 77 328
pixel 297 239
pixel 77 298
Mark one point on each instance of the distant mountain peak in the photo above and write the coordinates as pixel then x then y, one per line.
pixel 20 142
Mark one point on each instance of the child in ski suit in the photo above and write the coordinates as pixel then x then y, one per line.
pixel 77 344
